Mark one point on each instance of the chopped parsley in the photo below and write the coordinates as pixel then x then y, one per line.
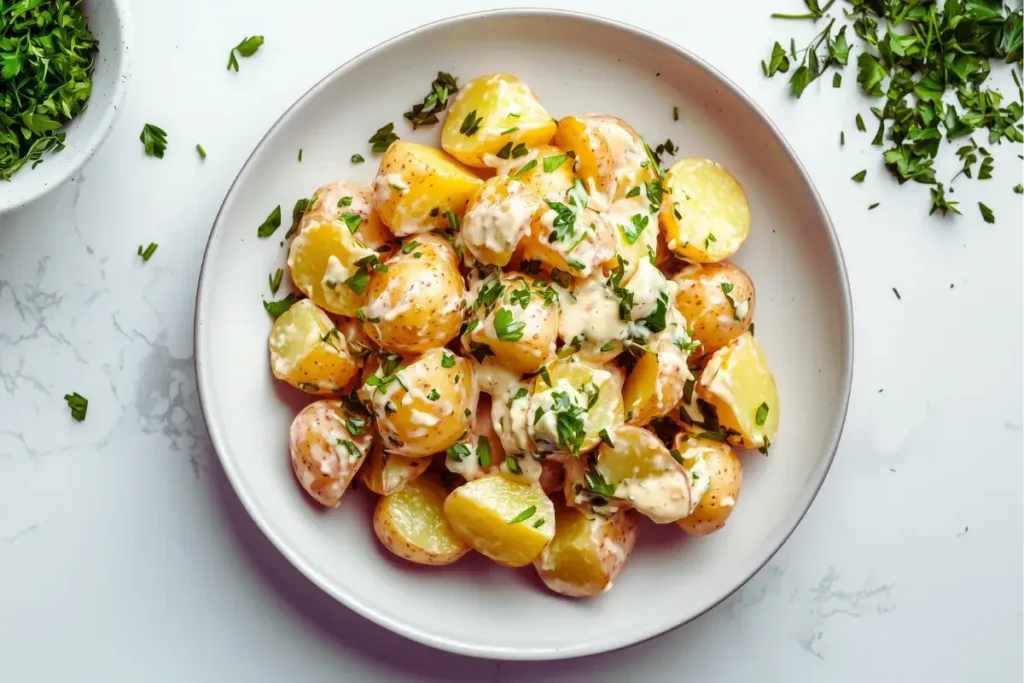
pixel 524 515
pixel 447 360
pixel 275 280
pixel 859 176
pixel 434 394
pixel 78 404
pixel 246 48
pixel 606 438
pixel 357 159
pixel 276 308
pixel 382 139
pixel 458 452
pixel 527 167
pixel 483 452
pixel 271 224
pixel 148 252
pixel 471 124
pixel 761 415
pixel 637 224
pixel 441 89
pixel 201 151
pixel 154 140
pixel 553 162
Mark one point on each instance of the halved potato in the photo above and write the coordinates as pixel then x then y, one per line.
pixel 533 171
pixel 587 552
pixel 417 186
pixel 704 212
pixel 424 405
pixel 718 302
pixel 349 202
pixel 507 520
pixel 632 468
pixel 739 384
pixel 327 264
pixel 492 118
pixel 411 524
pixel 308 351
pixel 388 473
pixel 716 476
pixel 328 444
pixel 572 403
pixel 575 240
pixel 658 380
pixel 636 233
pixel 416 303
pixel 610 155
pixel 516 318
pixel 497 218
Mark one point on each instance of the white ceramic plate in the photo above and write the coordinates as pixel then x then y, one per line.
pixel 110 22
pixel 576 64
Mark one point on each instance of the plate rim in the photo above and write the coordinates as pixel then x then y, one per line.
pixel 594 646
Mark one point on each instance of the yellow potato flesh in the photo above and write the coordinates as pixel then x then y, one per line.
pixel 345 201
pixel 483 513
pixel 718 302
pixel 416 186
pixel 704 212
pixel 547 184
pixel 308 352
pixel 411 524
pixel 587 552
pixel 321 258
pixel 739 384
pixel 417 303
pixel 579 380
pixel 656 384
pixel 536 347
pixel 509 114
pixel 387 473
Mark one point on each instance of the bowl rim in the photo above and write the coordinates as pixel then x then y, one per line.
pixel 596 646
pixel 105 124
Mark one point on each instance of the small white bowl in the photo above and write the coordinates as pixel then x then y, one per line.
pixel 110 22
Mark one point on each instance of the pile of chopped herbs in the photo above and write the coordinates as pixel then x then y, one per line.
pixel 46 60
pixel 927 64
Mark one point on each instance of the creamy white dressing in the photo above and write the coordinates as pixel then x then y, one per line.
pixel 591 313
pixel 545 429
pixel 496 224
pixel 418 417
pixel 663 498
pixel 742 307
pixel 648 285
pixel 700 480
pixel 626 152
pixel 728 502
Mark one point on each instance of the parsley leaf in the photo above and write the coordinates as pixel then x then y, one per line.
pixel 986 213
pixel 553 162
pixel 382 139
pixel 508 329
pixel 276 308
pixel 271 224
pixel 441 89
pixel 78 404
pixel 246 48
pixel 148 252
pixel 154 140
pixel 524 515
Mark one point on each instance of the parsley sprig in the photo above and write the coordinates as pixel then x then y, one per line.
pixel 425 114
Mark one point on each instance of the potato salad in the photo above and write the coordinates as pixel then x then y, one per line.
pixel 526 341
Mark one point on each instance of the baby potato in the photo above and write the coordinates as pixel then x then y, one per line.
pixel 328 443
pixel 704 212
pixel 423 405
pixel 418 186
pixel 492 118
pixel 632 468
pixel 308 351
pixel 738 383
pixel 411 524
pixel 329 265
pixel 546 183
pixel 611 157
pixel 658 380
pixel 572 403
pixel 349 202
pixel 496 219
pixel 587 552
pixel 388 473
pixel 516 318
pixel 636 233
pixel 717 300
pixel 479 452
pixel 716 475
pixel 590 323
pixel 575 240
pixel 416 301
pixel 507 520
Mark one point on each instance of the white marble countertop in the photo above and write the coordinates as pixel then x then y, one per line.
pixel 125 555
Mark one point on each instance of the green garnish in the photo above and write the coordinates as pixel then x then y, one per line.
pixel 276 308
pixel 940 203
pixel 859 176
pixel 508 329
pixel 298 211
pixel 382 139
pixel 1018 188
pixel 551 163
pixel 860 124
pixel 447 360
pixel 357 159
pixel 300 155
pixel 606 438
pixel 202 152
pixel 275 280
pixel 480 351
pixel 872 207
pixel 483 452
pixel 761 415
pixel 637 224
pixel 596 483
pixel 986 213
pixel 344 201
pixel 352 221
pixel 154 140
pixel 79 405
pixel 675 113
pixel 434 394
pixel 539 523
pixel 471 124
pixel 524 515
pixel 709 239
pixel 527 167
pixel 246 48
pixel 509 131
pixel 677 456
pixel 407 249
pixel 442 88
pixel 271 224
pixel 897 293
pixel 148 252
pixel 458 451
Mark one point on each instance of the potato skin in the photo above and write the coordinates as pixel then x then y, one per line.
pixel 320 260
pixel 587 552
pixel 388 473
pixel 340 200
pixel 325 454
pixel 416 186
pixel 724 472
pixel 411 524
pixel 702 299
pixel 493 98
pixel 418 302
pixel 704 213
pixel 308 352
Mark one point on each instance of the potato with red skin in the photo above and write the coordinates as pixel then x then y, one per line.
pixel 349 202
pixel 325 453
pixel 718 302
pixel 716 475
pixel 412 525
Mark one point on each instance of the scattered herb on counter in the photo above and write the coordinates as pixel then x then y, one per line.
pixel 842 138
pixel 425 114
pixel 202 152
pixel 78 404
pixel 986 213
pixel 276 308
pixel 873 206
pixel 913 54
pixel 148 252
pixel 275 280
pixel 46 62
pixel 154 140
pixel 1018 188
pixel 382 139
pixel 860 124
pixel 675 113
pixel 300 155
pixel 357 159
pixel 897 293
pixel 272 223
pixel 859 176
pixel 246 48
